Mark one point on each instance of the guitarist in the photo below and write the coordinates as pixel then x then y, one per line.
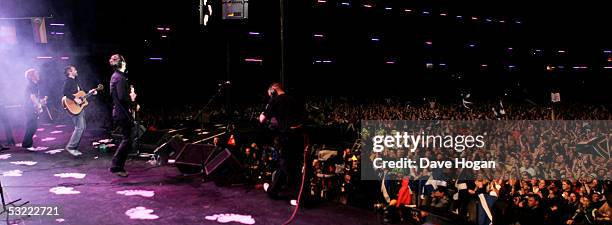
pixel 123 99
pixel 71 86
pixel 32 107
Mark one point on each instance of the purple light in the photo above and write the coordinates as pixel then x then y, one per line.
pixel 167 29
pixel 471 45
pixel 319 35
pixel 44 57
pixel 367 6
pixel 253 33
pixel 607 52
pixel 408 10
pixel 57 24
pixel 388 8
pixel 580 67
pixel 607 67
pixel 390 62
pixel 253 60
pixel 156 58
pixel 459 17
pixel 160 28
pixel 443 14
pixel 375 39
pixel 321 1
pixel 65 57
pixel 59 33
pixel 474 18
pixel 346 4
pixel 511 66
pixel 425 12
pixel 428 43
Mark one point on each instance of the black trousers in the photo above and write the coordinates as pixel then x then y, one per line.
pixel 31 126
pixel 289 172
pixel 125 127
pixel 8 130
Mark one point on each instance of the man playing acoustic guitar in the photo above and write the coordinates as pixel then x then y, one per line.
pixel 71 86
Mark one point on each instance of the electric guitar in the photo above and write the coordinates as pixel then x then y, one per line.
pixel 74 108
pixel 40 105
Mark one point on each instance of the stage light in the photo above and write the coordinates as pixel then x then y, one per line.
pixel 57 24
pixel 254 33
pixel 550 68
pixel 345 4
pixel 256 60
pixel 319 36
pixel 321 1
pixel 607 51
pixel 367 6
pixel 160 28
pixel 390 62
pixel 502 21
pixel 156 58
pixel 44 57
pixel 65 57
pixel 474 18
pixel 428 43
pixel 443 14
pixel 459 17
pixel 164 36
pixel 408 10
pixel 374 39
pixel 388 8
pixel 426 12
pixel 518 22
pixel 580 67
pixel 608 67
pixel 561 51
pixel 488 20
pixel 429 65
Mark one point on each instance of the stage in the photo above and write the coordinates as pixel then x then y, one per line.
pixel 86 193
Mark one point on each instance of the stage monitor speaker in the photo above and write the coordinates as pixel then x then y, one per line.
pixel 192 156
pixel 224 169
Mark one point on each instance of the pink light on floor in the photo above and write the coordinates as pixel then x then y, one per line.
pixel 230 217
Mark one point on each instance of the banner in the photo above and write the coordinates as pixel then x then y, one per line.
pixel 39 30
pixel 8 33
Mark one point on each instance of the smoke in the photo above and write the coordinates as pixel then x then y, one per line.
pixel 19 52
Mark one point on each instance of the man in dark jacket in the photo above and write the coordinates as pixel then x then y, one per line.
pixel 122 99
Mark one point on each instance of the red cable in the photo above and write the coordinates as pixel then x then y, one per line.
pixel 297 206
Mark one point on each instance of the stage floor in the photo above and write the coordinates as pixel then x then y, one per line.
pixel 150 195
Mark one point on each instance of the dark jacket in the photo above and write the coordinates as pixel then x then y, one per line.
pixel 120 90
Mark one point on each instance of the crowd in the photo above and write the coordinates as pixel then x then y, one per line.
pixel 543 179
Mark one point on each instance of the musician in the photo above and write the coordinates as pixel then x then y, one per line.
pixel 72 86
pixel 32 106
pixel 285 116
pixel 122 100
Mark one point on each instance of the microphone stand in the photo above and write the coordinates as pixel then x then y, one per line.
pixel 221 87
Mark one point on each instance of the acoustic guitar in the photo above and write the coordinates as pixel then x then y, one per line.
pixel 74 108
